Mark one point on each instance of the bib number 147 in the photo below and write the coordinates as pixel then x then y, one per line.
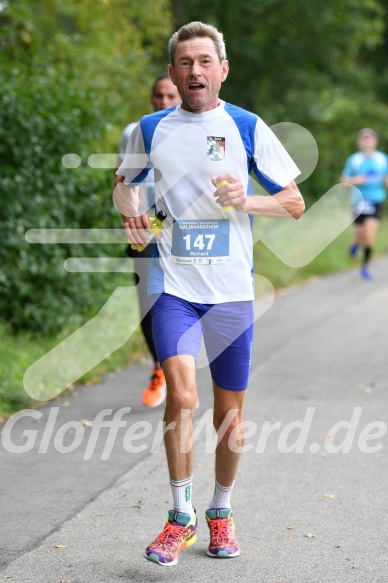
pixel 200 242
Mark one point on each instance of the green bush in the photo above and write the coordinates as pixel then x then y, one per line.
pixel 44 114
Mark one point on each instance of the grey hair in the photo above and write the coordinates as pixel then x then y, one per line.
pixel 193 30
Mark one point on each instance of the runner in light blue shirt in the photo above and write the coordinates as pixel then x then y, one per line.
pixel 367 171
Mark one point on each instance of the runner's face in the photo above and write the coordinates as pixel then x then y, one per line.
pixel 165 95
pixel 198 74
pixel 367 143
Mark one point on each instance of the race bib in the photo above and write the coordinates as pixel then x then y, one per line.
pixel 200 241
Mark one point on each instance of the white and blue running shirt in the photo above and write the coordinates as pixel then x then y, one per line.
pixel 205 254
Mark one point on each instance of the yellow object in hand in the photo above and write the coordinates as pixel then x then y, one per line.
pixel 156 223
pixel 228 208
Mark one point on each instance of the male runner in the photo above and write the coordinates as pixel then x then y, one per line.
pixel 200 279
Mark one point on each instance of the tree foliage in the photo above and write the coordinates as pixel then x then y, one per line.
pixel 114 47
pixel 39 122
pixel 319 64
pixel 75 74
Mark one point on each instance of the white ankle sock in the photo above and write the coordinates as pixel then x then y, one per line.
pixel 181 493
pixel 221 496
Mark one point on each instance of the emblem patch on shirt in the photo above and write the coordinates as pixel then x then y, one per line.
pixel 215 148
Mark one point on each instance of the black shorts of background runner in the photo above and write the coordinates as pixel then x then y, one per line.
pixel 142 259
pixel 378 206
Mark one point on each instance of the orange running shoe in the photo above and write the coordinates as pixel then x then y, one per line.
pixel 180 532
pixel 155 393
pixel 223 542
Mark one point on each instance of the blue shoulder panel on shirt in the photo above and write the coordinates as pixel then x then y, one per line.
pixel 149 123
pixel 246 122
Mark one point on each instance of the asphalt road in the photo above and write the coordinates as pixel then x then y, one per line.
pixel 310 499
